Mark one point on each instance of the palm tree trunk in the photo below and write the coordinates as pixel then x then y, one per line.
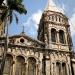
pixel 5 50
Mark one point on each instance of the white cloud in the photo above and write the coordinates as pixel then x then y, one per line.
pixel 31 25
pixel 37 16
pixel 34 18
pixel 72 24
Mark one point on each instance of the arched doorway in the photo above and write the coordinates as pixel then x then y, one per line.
pixel 31 66
pixel 8 68
pixel 20 65
pixel 64 71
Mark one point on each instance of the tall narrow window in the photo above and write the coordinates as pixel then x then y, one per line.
pixel 61 37
pixel 31 66
pixel 58 68
pixel 64 69
pixel 59 19
pixel 8 68
pixel 53 35
pixel 56 18
pixel 52 18
pixel 20 66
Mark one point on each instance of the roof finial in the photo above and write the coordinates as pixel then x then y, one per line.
pixel 51 6
pixel 23 29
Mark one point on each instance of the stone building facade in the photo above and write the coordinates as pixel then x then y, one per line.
pixel 51 54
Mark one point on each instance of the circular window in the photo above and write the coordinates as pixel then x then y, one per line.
pixel 22 40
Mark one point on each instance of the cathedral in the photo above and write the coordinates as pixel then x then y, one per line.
pixel 51 54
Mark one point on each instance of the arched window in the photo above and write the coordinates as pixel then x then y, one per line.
pixel 64 69
pixel 58 68
pixel 20 66
pixel 53 35
pixel 61 37
pixel 59 19
pixel 31 66
pixel 8 68
pixel 52 18
pixel 56 18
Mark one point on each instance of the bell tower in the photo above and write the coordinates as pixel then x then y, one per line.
pixel 54 28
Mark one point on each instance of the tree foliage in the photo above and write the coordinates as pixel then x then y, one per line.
pixel 13 5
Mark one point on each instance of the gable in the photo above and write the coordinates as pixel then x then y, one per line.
pixel 25 41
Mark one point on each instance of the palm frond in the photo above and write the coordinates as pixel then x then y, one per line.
pixel 10 16
pixel 18 1
pixel 16 18
pixel 20 8
pixel 14 5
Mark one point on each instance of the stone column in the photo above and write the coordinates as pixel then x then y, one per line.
pixel 58 37
pixel 53 68
pixel 40 68
pixel 67 69
pixel 55 71
pixel 36 67
pixel 68 65
pixel 14 65
pixel 73 65
pixel 47 67
pixel 61 68
pixel 50 64
pixel 40 64
pixel 49 35
pixel 65 38
pixel 26 68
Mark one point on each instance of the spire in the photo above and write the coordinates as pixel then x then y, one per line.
pixel 23 30
pixel 51 6
pixel 51 3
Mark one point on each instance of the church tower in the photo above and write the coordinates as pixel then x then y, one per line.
pixel 54 28
pixel 54 31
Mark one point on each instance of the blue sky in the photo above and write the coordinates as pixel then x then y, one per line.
pixel 34 12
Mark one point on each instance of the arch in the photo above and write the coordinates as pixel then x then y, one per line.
pixel 21 55
pixel 8 68
pixel 31 66
pixel 20 65
pixel 11 54
pixel 29 56
pixel 53 35
pixel 61 36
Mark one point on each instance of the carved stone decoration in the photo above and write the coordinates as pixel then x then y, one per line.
pixel 50 54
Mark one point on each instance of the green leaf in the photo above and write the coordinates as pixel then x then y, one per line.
pixel 20 8
pixel 19 1
pixel 11 6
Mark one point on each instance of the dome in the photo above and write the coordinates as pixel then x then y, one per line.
pixel 51 6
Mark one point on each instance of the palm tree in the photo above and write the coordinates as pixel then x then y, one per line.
pixel 7 16
pixel 13 5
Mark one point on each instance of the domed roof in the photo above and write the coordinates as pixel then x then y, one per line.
pixel 51 6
